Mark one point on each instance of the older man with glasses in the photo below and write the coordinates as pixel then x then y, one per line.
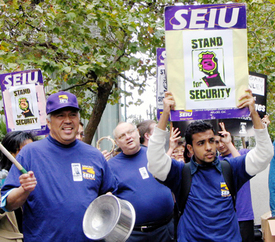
pixel 152 201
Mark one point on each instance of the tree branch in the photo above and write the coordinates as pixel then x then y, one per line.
pixel 78 85
pixel 131 81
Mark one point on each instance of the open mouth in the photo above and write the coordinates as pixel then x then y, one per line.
pixel 68 130
pixel 130 142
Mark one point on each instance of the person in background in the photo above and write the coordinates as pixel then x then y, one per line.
pixel 11 222
pixel 145 129
pixel 271 177
pixel 209 213
pixel 152 201
pixel 64 176
pixel 271 184
pixel 14 141
pixel 176 145
pixel 80 132
pixel 243 204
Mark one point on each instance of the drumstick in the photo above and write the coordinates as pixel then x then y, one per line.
pixel 12 159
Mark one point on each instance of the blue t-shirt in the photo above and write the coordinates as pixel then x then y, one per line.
pixel 271 184
pixel 69 178
pixel 152 200
pixel 209 213
pixel 243 199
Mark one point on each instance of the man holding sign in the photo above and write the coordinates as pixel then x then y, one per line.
pixel 209 213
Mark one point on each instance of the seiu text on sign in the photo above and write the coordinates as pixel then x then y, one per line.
pixel 205 17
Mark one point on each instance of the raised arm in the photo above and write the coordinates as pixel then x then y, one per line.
pixel 226 139
pixel 247 100
pixel 168 105
pixel 173 141
pixel 259 157
pixel 159 163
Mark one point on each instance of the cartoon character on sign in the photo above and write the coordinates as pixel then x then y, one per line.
pixel 24 106
pixel 208 64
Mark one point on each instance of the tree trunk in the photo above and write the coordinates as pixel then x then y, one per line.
pixel 98 109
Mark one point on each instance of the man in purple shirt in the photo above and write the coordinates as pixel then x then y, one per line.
pixel 243 205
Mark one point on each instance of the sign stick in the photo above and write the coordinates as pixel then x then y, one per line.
pixel 12 159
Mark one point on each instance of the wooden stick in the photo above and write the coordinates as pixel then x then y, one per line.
pixel 12 159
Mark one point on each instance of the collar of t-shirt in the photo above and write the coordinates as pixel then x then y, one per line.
pixel 194 166
pixel 55 142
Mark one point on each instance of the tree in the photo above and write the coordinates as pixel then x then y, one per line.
pixel 86 44
pixel 261 49
pixel 90 44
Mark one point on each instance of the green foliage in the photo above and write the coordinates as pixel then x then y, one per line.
pixel 3 129
pixel 261 48
pixel 86 44
pixel 77 42
pixel 89 44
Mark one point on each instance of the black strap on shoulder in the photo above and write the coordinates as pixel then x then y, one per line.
pixel 187 180
pixel 228 178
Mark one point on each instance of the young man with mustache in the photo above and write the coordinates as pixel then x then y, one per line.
pixel 209 213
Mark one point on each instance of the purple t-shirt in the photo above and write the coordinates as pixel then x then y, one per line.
pixel 243 199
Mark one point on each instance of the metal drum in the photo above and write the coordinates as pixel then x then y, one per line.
pixel 109 218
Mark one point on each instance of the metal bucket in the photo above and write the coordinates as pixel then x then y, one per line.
pixel 109 218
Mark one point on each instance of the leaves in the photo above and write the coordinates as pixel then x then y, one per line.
pixel 89 44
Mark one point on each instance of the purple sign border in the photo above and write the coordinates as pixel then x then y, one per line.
pixel 206 114
pixel 171 10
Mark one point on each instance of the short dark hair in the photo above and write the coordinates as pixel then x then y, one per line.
pixel 143 128
pixel 195 127
pixel 12 142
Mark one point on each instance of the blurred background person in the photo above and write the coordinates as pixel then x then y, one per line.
pixel 80 132
pixel 11 222
pixel 145 129
pixel 243 204
pixel 176 145
pixel 14 142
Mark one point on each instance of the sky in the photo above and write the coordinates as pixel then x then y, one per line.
pixel 148 98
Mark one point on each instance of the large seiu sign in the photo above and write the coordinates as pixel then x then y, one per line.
pixel 206 60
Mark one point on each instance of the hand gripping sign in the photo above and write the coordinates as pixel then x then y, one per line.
pixel 206 60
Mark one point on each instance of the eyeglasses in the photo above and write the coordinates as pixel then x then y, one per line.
pixel 81 134
pixel 123 136
pixel 178 151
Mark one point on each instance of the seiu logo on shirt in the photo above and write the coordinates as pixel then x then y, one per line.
pixel 88 172
pixel 224 190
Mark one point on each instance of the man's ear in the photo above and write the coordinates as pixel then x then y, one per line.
pixel 190 148
pixel 48 123
pixel 147 136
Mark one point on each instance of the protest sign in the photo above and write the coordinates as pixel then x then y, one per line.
pixel 161 80
pixel 242 127
pixel 24 101
pixel 206 60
